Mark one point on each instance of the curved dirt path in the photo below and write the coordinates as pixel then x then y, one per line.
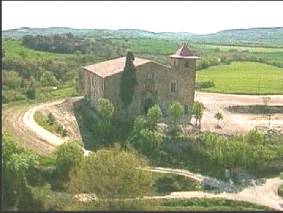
pixel 265 194
pixel 19 122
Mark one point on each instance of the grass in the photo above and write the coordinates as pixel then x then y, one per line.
pixel 44 122
pixel 243 48
pixel 243 78
pixel 194 204
pixel 166 183
pixel 14 49
pixel 209 204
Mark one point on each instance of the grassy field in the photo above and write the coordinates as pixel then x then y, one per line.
pixel 14 48
pixel 243 78
pixel 244 48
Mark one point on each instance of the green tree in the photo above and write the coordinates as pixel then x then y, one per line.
pixel 128 81
pixel 11 79
pixel 153 116
pixel 114 174
pixel 69 156
pixel 48 79
pixel 197 111
pixel 218 116
pixel 16 164
pixel 106 110
pixel 175 112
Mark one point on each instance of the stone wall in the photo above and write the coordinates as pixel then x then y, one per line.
pixel 93 87
pixel 154 84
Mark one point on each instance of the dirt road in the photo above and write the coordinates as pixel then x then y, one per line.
pixel 265 194
pixel 19 122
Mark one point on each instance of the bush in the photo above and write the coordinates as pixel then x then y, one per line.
pixel 204 84
pixel 280 191
pixel 113 174
pixel 46 199
pixel 51 118
pixel 31 92
pixel 69 157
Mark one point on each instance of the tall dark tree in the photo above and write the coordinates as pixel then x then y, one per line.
pixel 128 81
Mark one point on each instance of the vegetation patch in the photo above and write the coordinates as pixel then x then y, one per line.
pixel 49 123
pixel 256 109
pixel 243 78
pixel 167 183
pixel 209 204
pixel 280 191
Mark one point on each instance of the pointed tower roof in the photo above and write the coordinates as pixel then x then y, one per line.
pixel 184 52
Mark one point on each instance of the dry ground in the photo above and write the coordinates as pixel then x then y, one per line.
pixel 233 123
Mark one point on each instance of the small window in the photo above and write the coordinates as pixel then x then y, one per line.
pixel 186 109
pixel 186 64
pixel 149 75
pixel 173 86
pixel 93 82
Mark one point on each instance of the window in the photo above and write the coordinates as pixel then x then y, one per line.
pixel 149 75
pixel 93 81
pixel 186 109
pixel 173 86
pixel 186 64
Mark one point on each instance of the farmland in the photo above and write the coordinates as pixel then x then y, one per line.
pixel 243 78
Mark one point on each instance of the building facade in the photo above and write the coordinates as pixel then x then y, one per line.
pixel 156 83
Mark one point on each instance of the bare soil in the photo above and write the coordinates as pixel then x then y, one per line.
pixel 234 123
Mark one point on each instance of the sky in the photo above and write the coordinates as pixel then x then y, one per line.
pixel 169 16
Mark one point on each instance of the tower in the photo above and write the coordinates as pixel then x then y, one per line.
pixel 183 64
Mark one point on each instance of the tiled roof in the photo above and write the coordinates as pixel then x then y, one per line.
pixel 184 52
pixel 111 67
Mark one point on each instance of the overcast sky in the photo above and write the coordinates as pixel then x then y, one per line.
pixel 196 17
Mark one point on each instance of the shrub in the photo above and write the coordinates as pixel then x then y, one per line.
pixel 280 191
pixel 204 84
pixel 69 156
pixel 114 174
pixel 51 118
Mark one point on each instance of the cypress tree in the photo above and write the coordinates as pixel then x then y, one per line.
pixel 128 81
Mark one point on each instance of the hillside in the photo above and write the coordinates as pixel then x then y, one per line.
pixel 251 37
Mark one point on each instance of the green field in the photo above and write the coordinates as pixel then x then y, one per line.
pixel 243 78
pixel 244 48
pixel 14 49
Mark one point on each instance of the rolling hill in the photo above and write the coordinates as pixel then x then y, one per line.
pixel 272 37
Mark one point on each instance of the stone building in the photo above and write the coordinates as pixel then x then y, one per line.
pixel 156 83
